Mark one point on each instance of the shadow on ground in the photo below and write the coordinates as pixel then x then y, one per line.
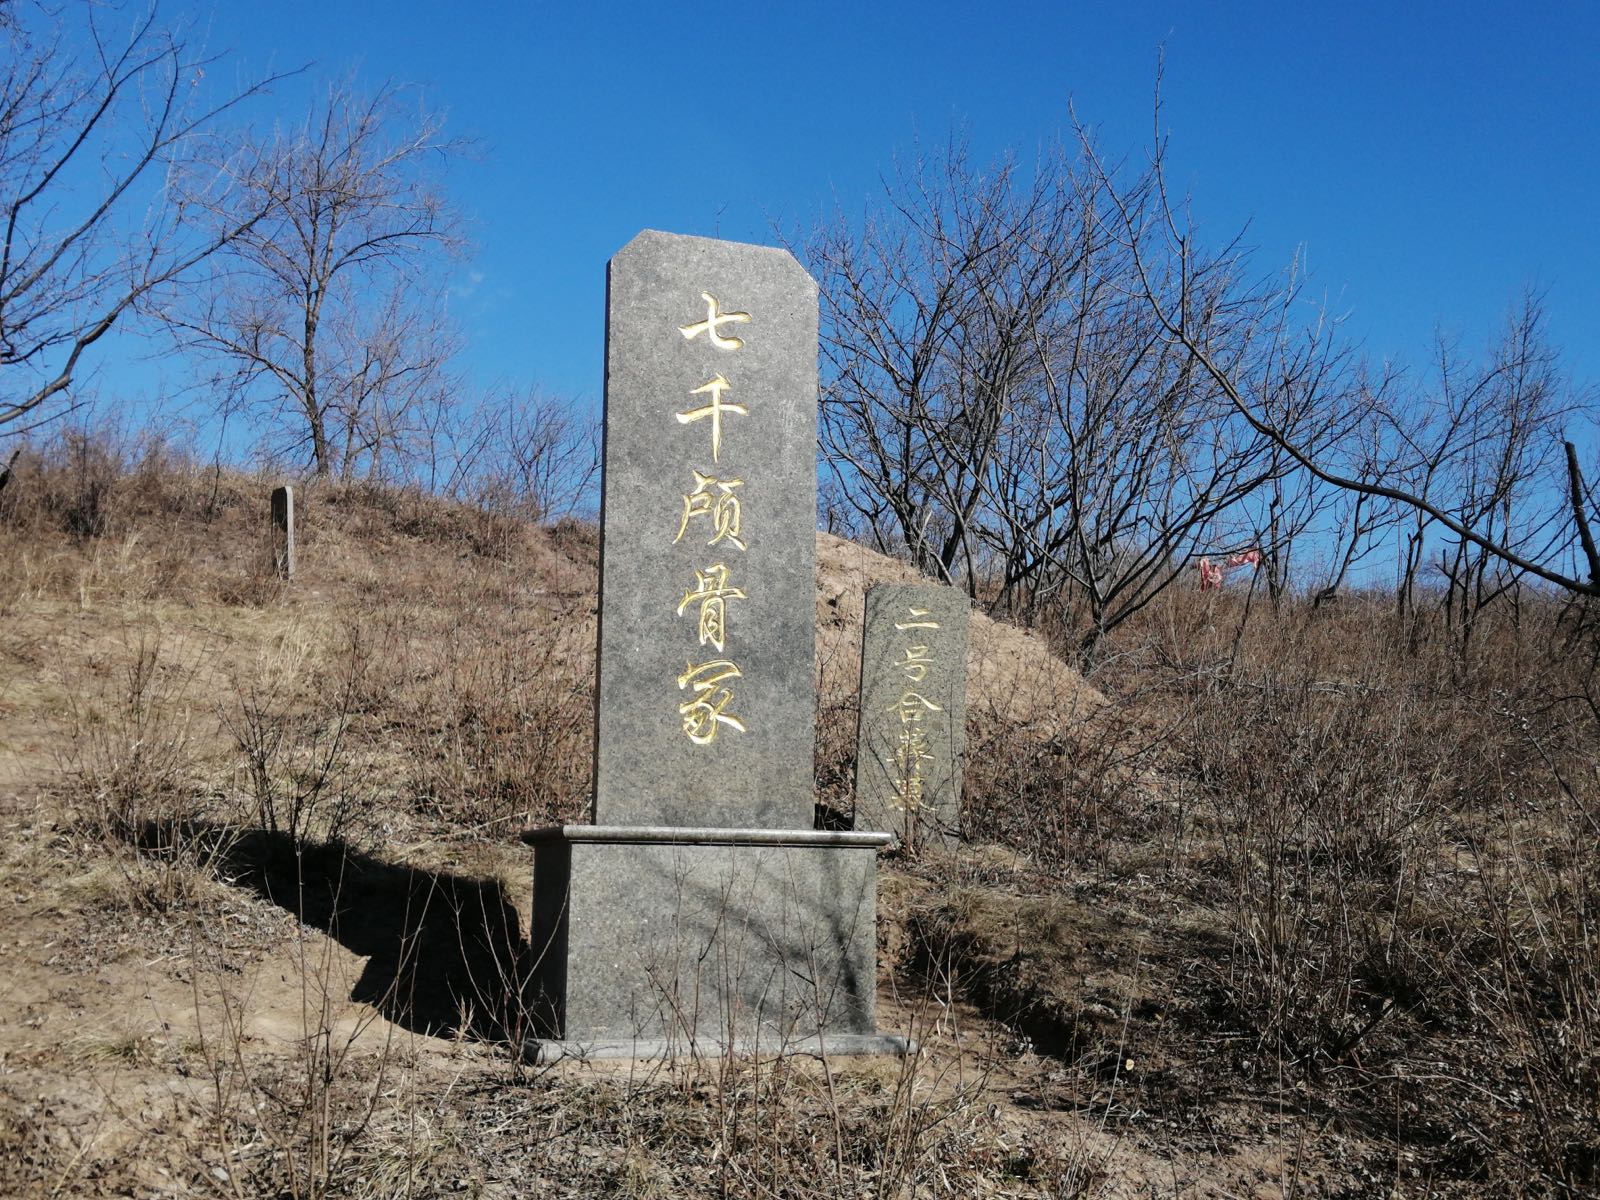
pixel 445 953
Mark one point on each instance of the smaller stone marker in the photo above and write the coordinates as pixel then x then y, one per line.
pixel 283 532
pixel 912 728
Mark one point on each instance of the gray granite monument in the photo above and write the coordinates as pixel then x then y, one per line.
pixel 708 572
pixel 912 727
pixel 281 532
pixel 701 912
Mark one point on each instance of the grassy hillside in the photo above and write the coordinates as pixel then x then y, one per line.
pixel 1294 902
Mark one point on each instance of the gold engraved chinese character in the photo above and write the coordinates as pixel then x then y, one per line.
pixel 704 716
pixel 918 612
pixel 911 706
pixel 721 506
pixel 912 750
pixel 916 663
pixel 712 591
pixel 908 794
pixel 713 409
pixel 909 756
pixel 714 317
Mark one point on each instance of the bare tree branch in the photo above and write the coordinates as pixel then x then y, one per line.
pixel 329 314
pixel 91 137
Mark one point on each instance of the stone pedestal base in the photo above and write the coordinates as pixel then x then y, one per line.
pixel 544 1051
pixel 655 941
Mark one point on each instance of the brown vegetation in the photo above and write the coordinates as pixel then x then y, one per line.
pixel 1285 900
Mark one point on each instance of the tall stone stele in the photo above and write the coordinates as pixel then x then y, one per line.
pixel 701 910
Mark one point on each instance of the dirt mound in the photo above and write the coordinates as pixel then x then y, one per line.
pixel 1010 673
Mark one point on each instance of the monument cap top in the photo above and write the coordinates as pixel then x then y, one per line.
pixel 651 240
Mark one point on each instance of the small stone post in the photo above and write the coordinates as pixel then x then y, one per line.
pixel 282 532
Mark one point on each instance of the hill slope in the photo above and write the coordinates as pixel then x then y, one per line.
pixel 1229 933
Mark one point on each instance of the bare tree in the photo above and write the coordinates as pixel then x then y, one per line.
pixel 1359 522
pixel 1138 463
pixel 1001 403
pixel 97 122
pixel 354 213
pixel 1506 476
pixel 391 372
pixel 1500 429
pixel 927 318
pixel 540 458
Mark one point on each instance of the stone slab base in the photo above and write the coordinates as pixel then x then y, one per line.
pixel 839 1045
pixel 663 936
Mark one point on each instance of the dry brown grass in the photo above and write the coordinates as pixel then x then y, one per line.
pixel 1355 870
pixel 1273 897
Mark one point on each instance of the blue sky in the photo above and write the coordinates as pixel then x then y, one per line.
pixel 1430 159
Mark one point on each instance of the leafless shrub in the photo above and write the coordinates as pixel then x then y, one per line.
pixel 1063 794
pixel 293 1125
pixel 67 484
pixel 133 764
pixel 132 747
pixel 505 736
pixel 541 460
pixel 1326 825
pixel 1358 866
pixel 837 725
pixel 75 514
pixel 1393 846
pixel 292 726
